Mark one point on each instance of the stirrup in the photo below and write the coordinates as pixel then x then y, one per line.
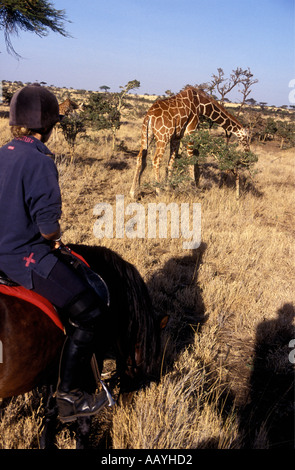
pixel 75 404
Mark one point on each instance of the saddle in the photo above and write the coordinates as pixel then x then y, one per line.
pixel 9 287
pixel 95 281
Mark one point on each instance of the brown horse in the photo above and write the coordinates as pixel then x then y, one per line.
pixel 31 342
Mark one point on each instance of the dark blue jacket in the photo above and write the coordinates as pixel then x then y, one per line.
pixel 30 204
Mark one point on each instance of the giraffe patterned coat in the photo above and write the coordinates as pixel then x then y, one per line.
pixel 171 119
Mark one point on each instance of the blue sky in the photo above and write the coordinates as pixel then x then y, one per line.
pixel 165 44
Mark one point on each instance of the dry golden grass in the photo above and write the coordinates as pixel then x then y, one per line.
pixel 225 367
pixel 20 424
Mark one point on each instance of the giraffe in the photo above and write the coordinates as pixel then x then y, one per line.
pixel 171 119
pixel 65 108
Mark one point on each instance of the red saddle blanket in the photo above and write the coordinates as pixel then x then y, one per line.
pixel 36 299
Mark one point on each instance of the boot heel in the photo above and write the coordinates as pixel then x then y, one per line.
pixel 67 419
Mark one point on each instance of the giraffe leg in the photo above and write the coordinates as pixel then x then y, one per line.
pixel 156 163
pixel 174 148
pixel 140 167
pixel 194 169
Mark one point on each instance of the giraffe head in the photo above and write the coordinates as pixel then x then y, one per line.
pixel 244 138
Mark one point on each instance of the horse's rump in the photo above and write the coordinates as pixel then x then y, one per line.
pixel 31 344
pixel 32 297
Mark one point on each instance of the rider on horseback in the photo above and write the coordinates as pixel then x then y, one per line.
pixel 30 208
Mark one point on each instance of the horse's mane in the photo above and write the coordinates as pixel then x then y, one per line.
pixel 142 320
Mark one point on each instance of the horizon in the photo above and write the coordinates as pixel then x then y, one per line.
pixel 134 93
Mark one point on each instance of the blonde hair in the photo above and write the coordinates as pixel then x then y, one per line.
pixel 21 131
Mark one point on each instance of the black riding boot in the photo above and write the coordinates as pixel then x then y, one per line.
pixel 72 402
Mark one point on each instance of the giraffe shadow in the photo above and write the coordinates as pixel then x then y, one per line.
pixel 268 419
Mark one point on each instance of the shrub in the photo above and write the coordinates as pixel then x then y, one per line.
pixel 286 133
pixel 71 126
pixel 228 156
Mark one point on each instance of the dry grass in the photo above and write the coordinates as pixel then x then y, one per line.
pixel 226 376
pixel 20 424
pixel 185 411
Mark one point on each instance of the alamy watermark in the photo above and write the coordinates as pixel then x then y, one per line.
pixel 149 222
pixel 292 92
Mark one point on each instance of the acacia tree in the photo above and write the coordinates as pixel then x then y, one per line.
pixel 228 157
pixel 37 16
pixel 103 111
pixel 105 88
pixel 119 102
pixel 120 97
pixel 243 78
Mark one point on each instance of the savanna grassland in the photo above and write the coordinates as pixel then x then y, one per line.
pixel 226 378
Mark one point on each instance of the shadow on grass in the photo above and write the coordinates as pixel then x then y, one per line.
pixel 175 292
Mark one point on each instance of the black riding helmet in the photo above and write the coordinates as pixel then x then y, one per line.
pixel 34 107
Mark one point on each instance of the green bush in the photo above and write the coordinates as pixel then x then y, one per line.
pixel 286 133
pixel 228 156
pixel 71 126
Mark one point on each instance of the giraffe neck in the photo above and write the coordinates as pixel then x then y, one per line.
pixel 209 107
pixel 218 114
